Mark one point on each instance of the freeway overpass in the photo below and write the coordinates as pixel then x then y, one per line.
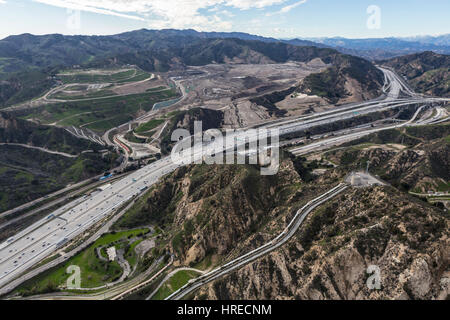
pixel 30 246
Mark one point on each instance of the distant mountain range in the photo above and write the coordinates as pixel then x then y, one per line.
pixel 22 51
pixel 25 50
pixel 384 48
pixel 163 50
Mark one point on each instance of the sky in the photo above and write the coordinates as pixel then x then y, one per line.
pixel 271 18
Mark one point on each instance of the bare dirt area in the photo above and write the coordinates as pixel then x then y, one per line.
pixel 300 104
pixel 141 86
pixel 230 88
pixel 81 91
pixel 105 72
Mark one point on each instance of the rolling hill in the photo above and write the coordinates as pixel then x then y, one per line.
pixel 165 50
pixel 28 171
pixel 427 72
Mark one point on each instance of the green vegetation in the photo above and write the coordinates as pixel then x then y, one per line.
pixel 27 174
pixel 22 86
pixel 211 119
pixel 100 114
pixel 178 280
pixel 129 136
pixel 148 126
pixel 94 271
pixel 150 209
pixel 106 76
pixel 87 95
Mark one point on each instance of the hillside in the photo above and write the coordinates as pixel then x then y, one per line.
pixel 427 72
pixel 14 130
pixel 329 257
pixel 27 173
pixel 24 85
pixel 207 210
pixel 349 79
pixel 211 214
pixel 56 49
pixel 174 50
pixel 211 119
pixel 412 159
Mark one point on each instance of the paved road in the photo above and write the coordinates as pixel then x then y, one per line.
pixel 30 246
pixel 327 143
pixel 170 275
pixel 277 242
pixel 44 237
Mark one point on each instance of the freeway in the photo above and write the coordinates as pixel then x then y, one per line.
pixel 247 258
pixel 27 248
pixel 349 136
pixel 31 245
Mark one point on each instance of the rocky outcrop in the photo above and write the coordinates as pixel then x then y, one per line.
pixel 407 240
pixel 208 210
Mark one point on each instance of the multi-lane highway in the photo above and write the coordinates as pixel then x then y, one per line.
pixel 31 245
pixel 43 238
pixel 350 135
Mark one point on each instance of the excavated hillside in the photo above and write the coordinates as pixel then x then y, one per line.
pixel 414 159
pixel 407 239
pixel 216 211
pixel 348 80
pixel 212 214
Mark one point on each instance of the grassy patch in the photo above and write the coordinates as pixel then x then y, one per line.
pixel 100 114
pixel 94 272
pixel 121 76
pixel 152 124
pixel 178 280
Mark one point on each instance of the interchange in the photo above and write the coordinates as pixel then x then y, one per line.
pixel 24 250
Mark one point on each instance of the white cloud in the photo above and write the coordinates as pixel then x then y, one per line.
pixel 78 5
pixel 288 8
pixel 177 14
pixel 227 13
pixel 2 2
pixel 292 6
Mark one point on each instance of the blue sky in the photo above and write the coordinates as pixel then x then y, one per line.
pixel 275 18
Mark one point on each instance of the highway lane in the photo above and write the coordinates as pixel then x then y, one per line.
pixel 440 114
pixel 70 194
pixel 25 249
pixel 391 89
pixel 327 143
pixel 39 240
pixel 35 243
